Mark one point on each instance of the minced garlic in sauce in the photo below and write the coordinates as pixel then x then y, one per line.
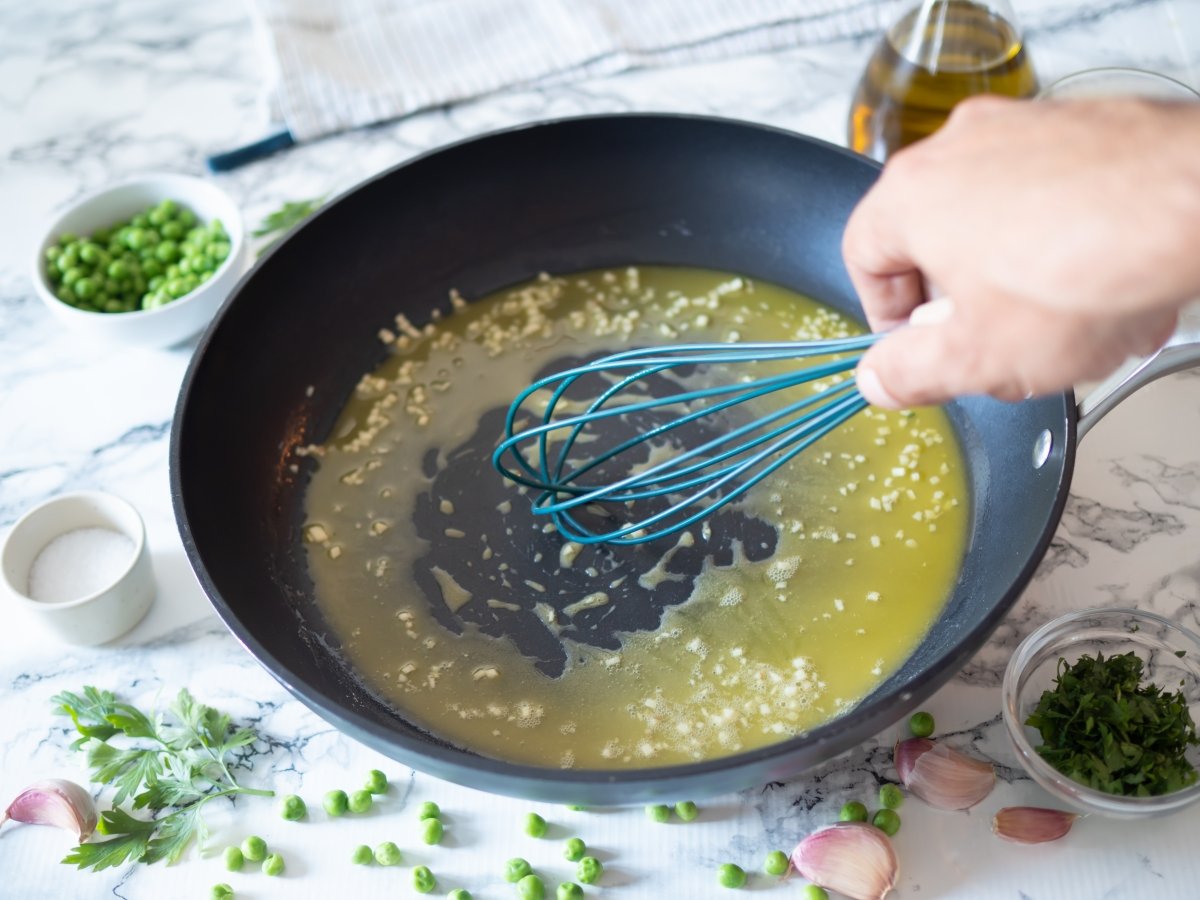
pixel 476 621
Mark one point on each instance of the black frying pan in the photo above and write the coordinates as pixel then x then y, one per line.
pixel 489 212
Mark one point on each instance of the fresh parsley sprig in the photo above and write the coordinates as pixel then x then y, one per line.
pixel 171 764
pixel 277 222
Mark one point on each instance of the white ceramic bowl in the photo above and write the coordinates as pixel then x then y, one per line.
pixel 107 611
pixel 175 321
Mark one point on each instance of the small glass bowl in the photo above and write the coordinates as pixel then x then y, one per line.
pixel 1034 666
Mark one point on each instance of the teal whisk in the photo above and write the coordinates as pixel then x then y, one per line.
pixel 626 451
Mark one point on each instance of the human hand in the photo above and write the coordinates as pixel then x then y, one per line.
pixel 1059 236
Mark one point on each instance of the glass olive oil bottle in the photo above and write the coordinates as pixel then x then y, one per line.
pixel 938 53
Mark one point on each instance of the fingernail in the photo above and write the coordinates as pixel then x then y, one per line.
pixel 932 313
pixel 873 390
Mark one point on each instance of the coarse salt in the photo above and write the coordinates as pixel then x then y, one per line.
pixel 78 564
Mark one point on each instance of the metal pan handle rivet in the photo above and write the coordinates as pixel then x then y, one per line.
pixel 1042 447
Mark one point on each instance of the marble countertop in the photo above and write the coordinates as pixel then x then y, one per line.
pixel 93 91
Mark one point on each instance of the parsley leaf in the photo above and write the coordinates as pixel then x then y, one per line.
pixel 169 763
pixel 282 219
pixel 1102 727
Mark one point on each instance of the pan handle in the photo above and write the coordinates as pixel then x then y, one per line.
pixel 1181 351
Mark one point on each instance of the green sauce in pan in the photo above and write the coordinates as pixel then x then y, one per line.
pixel 457 606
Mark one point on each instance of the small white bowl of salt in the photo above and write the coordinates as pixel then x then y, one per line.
pixel 80 564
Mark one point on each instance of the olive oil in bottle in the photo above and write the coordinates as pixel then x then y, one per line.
pixel 937 54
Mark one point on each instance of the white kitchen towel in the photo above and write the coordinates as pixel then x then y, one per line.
pixel 346 63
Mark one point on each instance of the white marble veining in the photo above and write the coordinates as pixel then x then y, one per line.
pixel 93 91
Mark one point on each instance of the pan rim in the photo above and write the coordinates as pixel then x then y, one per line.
pixel 805 751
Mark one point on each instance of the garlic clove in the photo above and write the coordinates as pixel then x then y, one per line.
pixel 852 858
pixel 55 802
pixel 906 753
pixel 942 776
pixel 1032 824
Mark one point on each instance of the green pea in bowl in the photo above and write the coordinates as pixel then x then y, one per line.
pixel 145 262
pixel 1170 660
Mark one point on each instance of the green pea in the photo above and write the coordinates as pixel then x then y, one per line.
pixel 66 295
pixel 535 825
pixel 141 220
pixel 377 782
pixel 921 724
pixel 157 217
pixel 387 854
pixel 891 797
pixel 185 265
pixel 293 808
pixel 220 892
pixel 776 863
pixel 574 849
pixel 731 876
pixel 853 812
pixel 151 267
pixel 167 251
pixel 659 812
pixel 887 821
pixel 273 865
pixel 254 848
pixel 429 810
pixel 154 301
pixel 686 811
pixel 155 283
pixel 135 238
pixel 186 217
pixel 234 859
pixel 531 888
pixel 360 801
pixel 219 251
pixel 119 270
pixel 90 253
pixel 432 830
pixel 108 305
pixel 336 802
pixel 569 890
pixel 51 253
pixel 812 892
pixel 516 869
pixel 362 855
pixel 168 206
pixel 172 231
pixel 423 880
pixel 72 275
pixel 589 870
pixel 459 894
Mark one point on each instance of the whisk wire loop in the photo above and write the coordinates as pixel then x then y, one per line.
pixel 693 481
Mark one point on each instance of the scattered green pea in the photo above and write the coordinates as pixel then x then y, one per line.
pixel 777 863
pixel 360 801
pixel 853 812
pixel 535 825
pixel 574 849
pixel 273 865
pixel 432 830
pixel 921 724
pixel 887 821
pixel 429 810
pixel 459 894
pixel 569 890
pixel 813 892
pixel 731 876
pixel 531 888
pixel 254 848
pixel 423 880
pixel 589 870
pixel 387 854
pixel 362 855
pixel 234 859
pixel 377 782
pixel 221 892
pixel 293 808
pixel 891 797
pixel 336 803
pixel 686 810
pixel 516 869
pixel 658 812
